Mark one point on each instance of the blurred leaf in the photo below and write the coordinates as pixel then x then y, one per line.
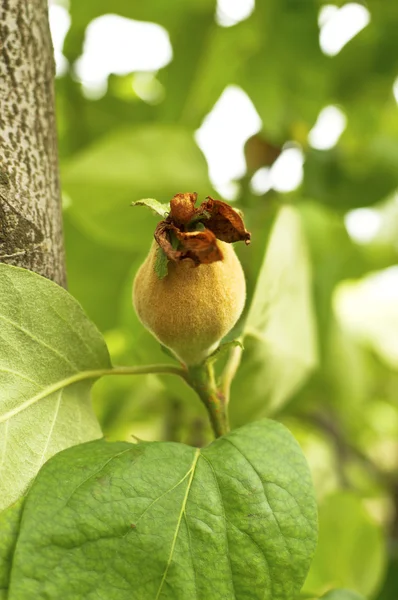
pixel 389 590
pixel 342 595
pixel 333 257
pixel 345 178
pixel 166 14
pixel 96 274
pixel 103 180
pixel 351 550
pixel 96 512
pixel 46 340
pixel 287 77
pixel 280 317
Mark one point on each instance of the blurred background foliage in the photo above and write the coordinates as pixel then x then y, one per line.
pixel 287 108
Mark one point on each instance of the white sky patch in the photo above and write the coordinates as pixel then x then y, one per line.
pixel 287 171
pixel 231 12
pixel 222 137
pixel 363 224
pixel 114 44
pixel 148 88
pixel 261 181
pixel 59 18
pixel 285 175
pixel 368 310
pixel 339 25
pixel 328 128
pixel 395 89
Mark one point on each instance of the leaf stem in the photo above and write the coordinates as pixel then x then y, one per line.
pixel 94 374
pixel 201 379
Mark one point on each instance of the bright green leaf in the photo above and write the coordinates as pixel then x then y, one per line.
pixel 45 339
pixel 163 520
pixel 157 207
pixel 281 318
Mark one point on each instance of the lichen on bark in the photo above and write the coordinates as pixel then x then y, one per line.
pixel 30 206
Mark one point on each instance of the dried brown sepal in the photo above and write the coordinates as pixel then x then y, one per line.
pixel 225 222
pixel 199 246
pixel 182 208
pixel 217 219
pixel 162 238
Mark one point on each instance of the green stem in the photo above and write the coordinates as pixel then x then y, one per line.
pixel 201 379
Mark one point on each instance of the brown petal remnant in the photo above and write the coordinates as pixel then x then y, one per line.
pixel 192 233
pixel 224 221
pixel 199 246
pixel 182 207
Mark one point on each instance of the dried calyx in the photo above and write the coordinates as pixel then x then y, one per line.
pixel 192 233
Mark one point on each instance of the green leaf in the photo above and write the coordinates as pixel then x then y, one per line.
pixel 157 207
pixel 280 327
pixel 45 340
pixel 163 520
pixel 342 595
pixel 157 160
pixel 161 263
pixel 350 552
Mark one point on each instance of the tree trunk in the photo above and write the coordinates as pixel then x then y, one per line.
pixel 30 207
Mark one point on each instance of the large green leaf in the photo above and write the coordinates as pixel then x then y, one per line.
pixel 149 161
pixel 280 323
pixel 350 551
pixel 45 339
pixel 163 520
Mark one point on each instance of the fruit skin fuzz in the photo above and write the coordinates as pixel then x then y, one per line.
pixel 193 307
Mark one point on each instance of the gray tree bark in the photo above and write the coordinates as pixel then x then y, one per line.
pixel 30 204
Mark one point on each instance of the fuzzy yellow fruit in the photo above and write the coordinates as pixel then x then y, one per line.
pixel 192 308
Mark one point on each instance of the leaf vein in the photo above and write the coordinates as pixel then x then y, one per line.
pixel 225 521
pixel 39 341
pixel 182 512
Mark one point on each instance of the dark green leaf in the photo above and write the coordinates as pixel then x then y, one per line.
pixel 9 528
pixel 161 263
